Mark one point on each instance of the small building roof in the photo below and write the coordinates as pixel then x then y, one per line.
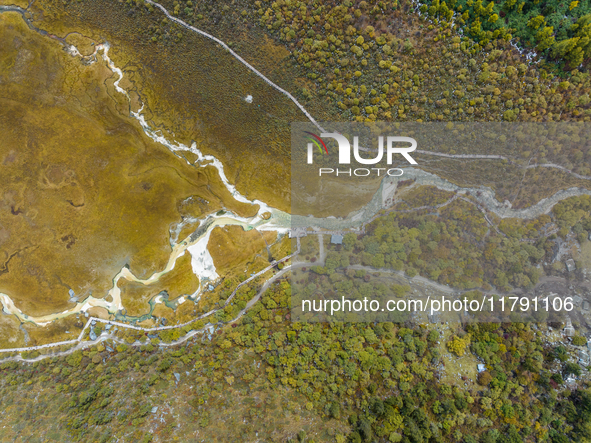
pixel 336 239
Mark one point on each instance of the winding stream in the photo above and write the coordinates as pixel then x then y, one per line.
pixel 279 221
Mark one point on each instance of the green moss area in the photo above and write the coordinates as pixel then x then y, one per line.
pixel 267 379
pixel 83 191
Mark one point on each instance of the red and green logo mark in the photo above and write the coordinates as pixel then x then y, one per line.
pixel 315 140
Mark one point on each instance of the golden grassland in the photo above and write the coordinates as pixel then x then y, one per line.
pixel 231 247
pixel 61 110
pixel 84 191
pixel 195 91
pixel 180 281
pixel 10 334
pixel 19 3
pixel 584 256
pixel 63 329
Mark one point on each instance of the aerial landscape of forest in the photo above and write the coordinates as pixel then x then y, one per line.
pixel 160 234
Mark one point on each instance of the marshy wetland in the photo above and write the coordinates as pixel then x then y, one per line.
pixel 85 193
pixel 139 162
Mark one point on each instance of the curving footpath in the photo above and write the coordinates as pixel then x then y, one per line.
pixel 501 157
pixel 79 343
pixel 240 59
pixel 562 168
pixel 466 156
